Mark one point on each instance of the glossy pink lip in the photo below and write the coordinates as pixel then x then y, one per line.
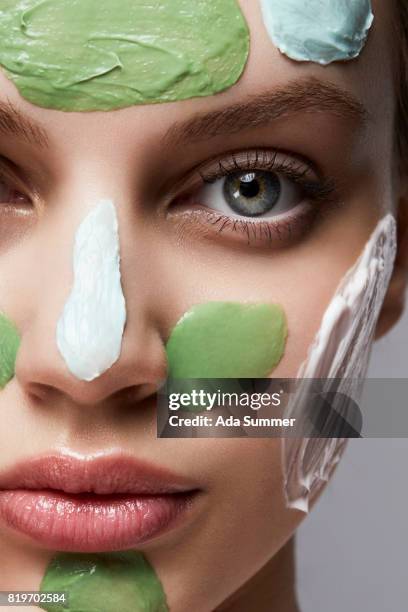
pixel 92 505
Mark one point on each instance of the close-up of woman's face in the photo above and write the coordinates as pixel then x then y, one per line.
pixel 262 191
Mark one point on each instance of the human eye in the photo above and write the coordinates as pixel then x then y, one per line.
pixel 259 196
pixel 13 192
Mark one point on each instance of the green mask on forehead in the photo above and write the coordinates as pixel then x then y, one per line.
pixel 90 55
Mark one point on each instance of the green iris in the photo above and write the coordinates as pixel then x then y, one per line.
pixel 252 194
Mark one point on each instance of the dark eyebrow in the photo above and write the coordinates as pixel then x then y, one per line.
pixel 14 122
pixel 305 96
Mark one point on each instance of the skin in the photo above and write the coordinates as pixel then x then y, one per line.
pixel 170 263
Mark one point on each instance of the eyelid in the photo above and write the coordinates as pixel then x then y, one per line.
pixel 258 159
pixel 294 167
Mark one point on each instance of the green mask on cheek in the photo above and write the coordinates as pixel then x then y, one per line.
pixel 9 344
pixel 90 55
pixel 227 340
pixel 122 581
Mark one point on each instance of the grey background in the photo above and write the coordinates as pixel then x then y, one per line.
pixel 352 549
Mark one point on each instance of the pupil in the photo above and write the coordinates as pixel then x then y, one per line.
pixel 249 187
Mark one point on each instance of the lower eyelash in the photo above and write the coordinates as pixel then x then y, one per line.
pixel 266 232
pixel 258 232
pixel 205 223
pixel 286 229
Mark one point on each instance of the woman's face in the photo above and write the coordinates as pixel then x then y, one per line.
pixel 327 133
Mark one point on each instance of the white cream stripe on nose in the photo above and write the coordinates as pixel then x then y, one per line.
pixel 90 329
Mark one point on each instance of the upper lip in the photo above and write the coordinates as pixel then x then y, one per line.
pixel 103 475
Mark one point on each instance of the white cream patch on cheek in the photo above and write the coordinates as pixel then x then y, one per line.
pixel 321 31
pixel 90 329
pixel 341 350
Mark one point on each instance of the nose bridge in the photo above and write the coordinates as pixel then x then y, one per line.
pixel 79 329
pixel 90 328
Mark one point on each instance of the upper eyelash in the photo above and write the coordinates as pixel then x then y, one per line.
pixel 263 160
pixel 260 160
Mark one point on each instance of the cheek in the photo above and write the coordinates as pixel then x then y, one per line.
pixel 332 301
pixel 243 526
pixel 302 279
pixel 305 309
pixel 339 356
pixel 298 283
pixel 227 340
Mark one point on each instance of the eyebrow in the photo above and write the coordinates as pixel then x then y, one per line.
pixel 14 122
pixel 305 96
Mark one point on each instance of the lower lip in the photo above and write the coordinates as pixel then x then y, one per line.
pixel 91 523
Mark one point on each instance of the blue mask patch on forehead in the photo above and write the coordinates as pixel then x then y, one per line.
pixel 321 31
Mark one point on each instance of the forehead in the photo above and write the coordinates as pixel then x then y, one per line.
pixel 86 55
pixel 266 69
pixel 368 77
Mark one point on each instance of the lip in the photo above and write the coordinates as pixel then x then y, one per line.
pixel 92 504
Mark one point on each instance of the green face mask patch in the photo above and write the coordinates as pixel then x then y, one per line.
pixel 227 340
pixel 9 344
pixel 122 581
pixel 90 55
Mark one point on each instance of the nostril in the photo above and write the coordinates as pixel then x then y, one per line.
pixel 39 392
pixel 134 393
pixel 89 394
pixel 43 377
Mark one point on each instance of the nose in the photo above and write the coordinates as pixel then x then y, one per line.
pixel 90 329
pixel 43 367
pixel 42 374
